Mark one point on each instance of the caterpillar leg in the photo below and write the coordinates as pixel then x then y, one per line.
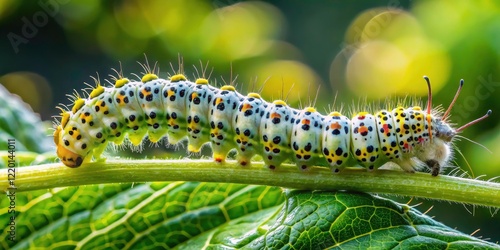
pixel 98 152
pixel 436 155
pixel 243 160
pixel 136 134
pixel 193 148
pixel 245 147
pixel 434 166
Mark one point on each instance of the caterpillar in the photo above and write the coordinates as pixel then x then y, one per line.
pixel 178 108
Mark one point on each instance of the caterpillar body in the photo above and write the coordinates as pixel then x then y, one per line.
pixel 178 108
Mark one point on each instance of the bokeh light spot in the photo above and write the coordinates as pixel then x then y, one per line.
pixel 287 78
pixel 31 87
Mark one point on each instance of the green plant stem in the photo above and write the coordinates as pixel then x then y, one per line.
pixel 423 185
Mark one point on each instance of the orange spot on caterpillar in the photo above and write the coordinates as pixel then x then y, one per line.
pixel 386 128
pixel 306 121
pixel 246 107
pixel 275 115
pixel 363 130
pixel 335 125
pixel 429 130
pixel 219 100
pixel 122 100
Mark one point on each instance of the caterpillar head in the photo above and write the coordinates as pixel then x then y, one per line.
pixel 444 131
pixel 68 157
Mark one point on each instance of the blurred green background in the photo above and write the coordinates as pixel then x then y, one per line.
pixel 356 53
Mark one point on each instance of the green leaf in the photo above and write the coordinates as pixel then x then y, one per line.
pixel 192 215
pixel 17 121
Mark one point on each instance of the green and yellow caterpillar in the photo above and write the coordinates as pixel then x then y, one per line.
pixel 178 108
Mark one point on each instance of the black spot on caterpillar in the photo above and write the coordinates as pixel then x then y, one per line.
pixel 178 108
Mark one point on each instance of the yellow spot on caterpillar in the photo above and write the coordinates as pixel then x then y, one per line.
pixel 171 122
pixel 56 134
pixel 76 133
pixel 106 108
pixel 279 102
pixel 417 108
pixel 64 119
pixel 122 100
pixel 310 109
pixel 201 81
pixel 335 113
pixel 228 88
pixel 87 118
pixel 254 95
pixel 120 82
pixel 219 100
pixel 149 77
pixel 193 149
pixel 178 77
pixel 78 105
pixel 97 91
